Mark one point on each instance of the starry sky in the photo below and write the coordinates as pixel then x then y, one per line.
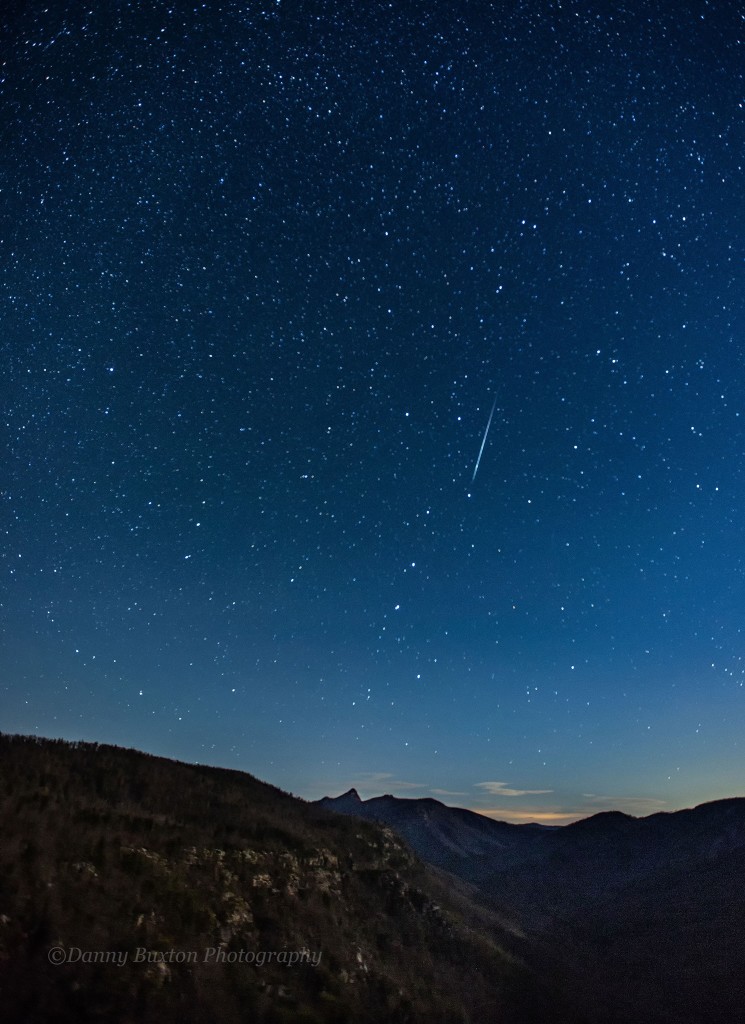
pixel 274 278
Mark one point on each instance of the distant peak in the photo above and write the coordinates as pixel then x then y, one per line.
pixel 602 821
pixel 350 794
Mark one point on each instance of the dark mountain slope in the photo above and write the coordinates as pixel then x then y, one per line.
pixel 668 947
pixel 113 851
pixel 591 859
pixel 643 918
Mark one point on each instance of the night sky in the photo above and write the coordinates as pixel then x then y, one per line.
pixel 266 270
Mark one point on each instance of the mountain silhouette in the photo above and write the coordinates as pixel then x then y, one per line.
pixel 643 918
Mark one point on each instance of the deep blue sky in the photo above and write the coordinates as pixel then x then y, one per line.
pixel 265 270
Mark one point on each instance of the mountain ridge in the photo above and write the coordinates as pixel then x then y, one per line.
pixel 600 899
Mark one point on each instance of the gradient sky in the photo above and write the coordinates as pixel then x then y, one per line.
pixel 265 271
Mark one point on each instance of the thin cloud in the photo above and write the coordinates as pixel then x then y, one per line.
pixel 637 806
pixel 503 789
pixel 384 780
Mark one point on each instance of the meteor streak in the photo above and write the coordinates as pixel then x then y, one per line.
pixel 486 434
